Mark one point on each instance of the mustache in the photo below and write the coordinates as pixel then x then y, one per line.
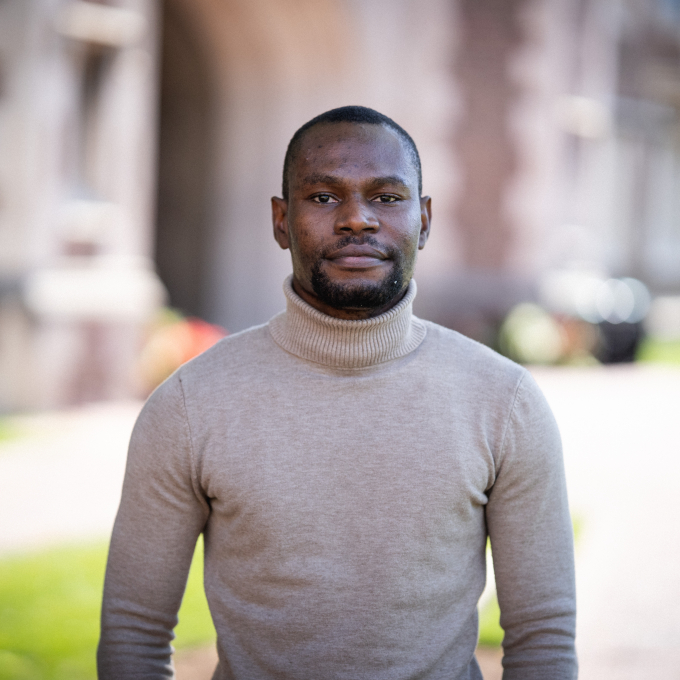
pixel 366 240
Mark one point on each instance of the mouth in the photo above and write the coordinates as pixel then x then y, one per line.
pixel 357 257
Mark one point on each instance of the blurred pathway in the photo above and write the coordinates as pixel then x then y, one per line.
pixel 61 476
pixel 621 430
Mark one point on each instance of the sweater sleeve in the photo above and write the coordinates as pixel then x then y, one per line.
pixel 161 515
pixel 532 544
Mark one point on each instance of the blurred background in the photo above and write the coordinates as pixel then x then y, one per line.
pixel 140 142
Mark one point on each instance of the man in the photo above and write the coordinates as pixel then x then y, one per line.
pixel 345 462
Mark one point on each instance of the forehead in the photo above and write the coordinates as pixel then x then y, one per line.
pixel 352 150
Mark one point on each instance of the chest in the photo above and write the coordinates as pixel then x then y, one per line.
pixel 414 454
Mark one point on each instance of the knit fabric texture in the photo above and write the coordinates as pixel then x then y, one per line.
pixel 340 343
pixel 345 475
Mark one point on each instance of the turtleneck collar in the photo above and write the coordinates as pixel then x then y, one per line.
pixel 310 334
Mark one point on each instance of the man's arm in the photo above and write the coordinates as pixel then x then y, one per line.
pixel 531 540
pixel 161 515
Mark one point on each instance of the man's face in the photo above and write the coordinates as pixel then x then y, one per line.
pixel 354 219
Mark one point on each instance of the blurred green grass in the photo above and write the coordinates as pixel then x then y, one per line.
pixel 659 351
pixel 49 612
pixel 490 631
pixel 7 430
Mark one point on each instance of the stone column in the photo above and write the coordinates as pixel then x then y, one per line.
pixel 490 33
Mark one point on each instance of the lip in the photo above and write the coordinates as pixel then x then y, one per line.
pixel 357 257
pixel 357 252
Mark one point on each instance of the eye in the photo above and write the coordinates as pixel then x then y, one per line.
pixel 324 199
pixel 386 198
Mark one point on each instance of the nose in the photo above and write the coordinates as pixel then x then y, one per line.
pixel 355 216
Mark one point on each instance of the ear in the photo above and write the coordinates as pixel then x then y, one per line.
pixel 280 221
pixel 425 220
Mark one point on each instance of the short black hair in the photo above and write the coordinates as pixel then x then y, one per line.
pixel 349 114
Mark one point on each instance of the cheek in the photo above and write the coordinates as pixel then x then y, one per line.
pixel 305 246
pixel 410 237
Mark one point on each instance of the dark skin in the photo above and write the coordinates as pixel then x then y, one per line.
pixel 358 181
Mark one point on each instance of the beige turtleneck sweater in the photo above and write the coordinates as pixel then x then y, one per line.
pixel 345 475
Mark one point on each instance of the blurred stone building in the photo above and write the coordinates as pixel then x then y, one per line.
pixel 140 141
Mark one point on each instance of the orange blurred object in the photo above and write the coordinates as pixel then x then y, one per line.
pixel 173 343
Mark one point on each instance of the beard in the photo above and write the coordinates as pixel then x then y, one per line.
pixel 361 295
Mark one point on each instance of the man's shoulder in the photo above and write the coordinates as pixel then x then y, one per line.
pixel 451 348
pixel 233 355
pixel 476 371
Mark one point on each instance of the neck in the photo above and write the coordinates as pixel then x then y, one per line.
pixel 308 333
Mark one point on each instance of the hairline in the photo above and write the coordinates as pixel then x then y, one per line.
pixel 295 143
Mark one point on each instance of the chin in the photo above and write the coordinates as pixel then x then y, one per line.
pixel 359 294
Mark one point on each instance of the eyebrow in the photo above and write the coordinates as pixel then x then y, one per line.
pixel 388 179
pixel 333 180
